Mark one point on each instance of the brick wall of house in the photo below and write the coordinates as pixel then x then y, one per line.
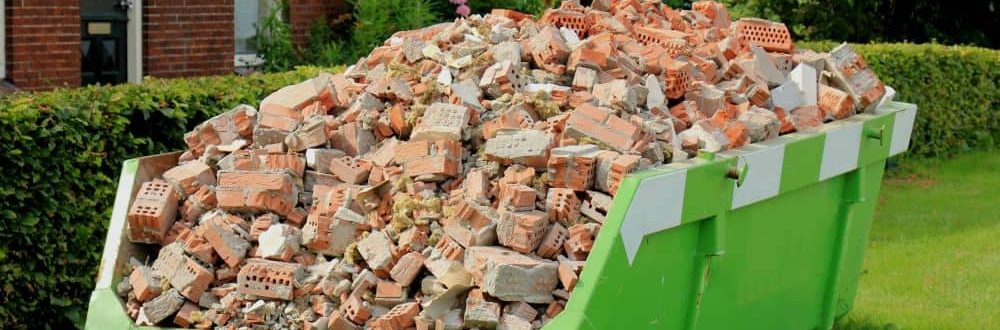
pixel 187 38
pixel 43 43
pixel 302 14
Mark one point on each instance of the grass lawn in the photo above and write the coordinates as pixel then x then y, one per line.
pixel 933 260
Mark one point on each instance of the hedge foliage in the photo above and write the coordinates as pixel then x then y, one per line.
pixel 62 152
pixel 956 90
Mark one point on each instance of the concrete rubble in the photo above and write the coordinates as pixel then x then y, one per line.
pixel 459 176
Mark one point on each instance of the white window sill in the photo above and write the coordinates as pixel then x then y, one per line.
pixel 247 60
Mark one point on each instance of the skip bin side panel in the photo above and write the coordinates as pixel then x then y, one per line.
pixel 775 269
pixel 857 237
pixel 106 309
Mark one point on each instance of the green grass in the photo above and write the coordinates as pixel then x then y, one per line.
pixel 933 260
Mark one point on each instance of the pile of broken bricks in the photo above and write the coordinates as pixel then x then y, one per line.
pixel 457 176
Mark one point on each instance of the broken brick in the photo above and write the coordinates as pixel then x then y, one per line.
pixel 573 166
pixel 188 178
pixel 580 242
pixel 525 147
pixel 350 169
pixel 602 127
pixel 145 283
pixel 269 279
pixel 480 313
pixel 522 231
pixel 407 268
pixel 399 317
pixel 242 191
pixel 430 158
pixel 441 121
pixel 562 205
pixel 552 243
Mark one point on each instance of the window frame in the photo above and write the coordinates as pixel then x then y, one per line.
pixel 249 60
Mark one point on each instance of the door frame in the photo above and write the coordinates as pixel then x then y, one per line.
pixel 133 43
pixel 3 40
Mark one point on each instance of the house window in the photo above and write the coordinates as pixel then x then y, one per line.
pixel 248 16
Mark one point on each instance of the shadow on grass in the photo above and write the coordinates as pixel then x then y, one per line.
pixel 863 323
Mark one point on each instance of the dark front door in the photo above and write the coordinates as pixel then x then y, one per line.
pixel 103 44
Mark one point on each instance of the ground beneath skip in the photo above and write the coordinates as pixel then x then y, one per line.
pixel 933 260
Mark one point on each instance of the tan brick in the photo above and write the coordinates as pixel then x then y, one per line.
pixel 480 313
pixel 441 121
pixel 476 186
pixel 389 293
pixel 186 179
pixel 525 147
pixel 549 50
pixel 376 249
pixel 522 231
pixel 280 242
pixel 518 279
pixel 192 279
pixel 218 229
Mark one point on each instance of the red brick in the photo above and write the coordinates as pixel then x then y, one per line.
pixel 562 205
pixel 145 283
pixel 350 169
pixel 399 317
pixel 522 231
pixel 552 244
pixel 430 157
pixel 573 166
pixel 355 310
pixel 268 279
pixel 407 268
pixel 580 242
pixel 152 213
pixel 772 36
pixel 256 192
pixel 517 197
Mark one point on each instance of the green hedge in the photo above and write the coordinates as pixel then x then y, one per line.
pixel 62 153
pixel 956 90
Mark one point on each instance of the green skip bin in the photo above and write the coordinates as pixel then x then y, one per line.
pixel 768 236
